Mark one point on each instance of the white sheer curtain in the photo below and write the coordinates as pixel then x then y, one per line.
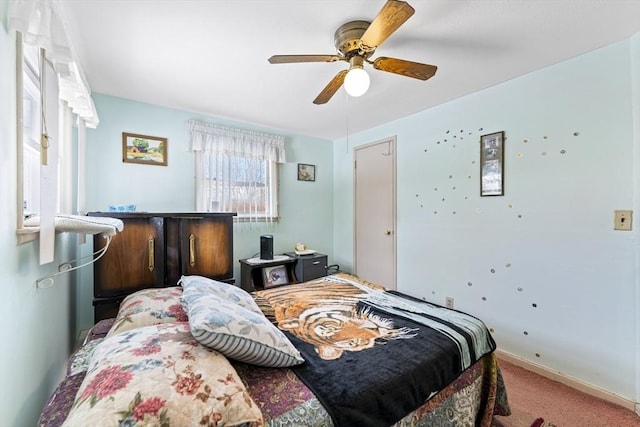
pixel 42 24
pixel 236 170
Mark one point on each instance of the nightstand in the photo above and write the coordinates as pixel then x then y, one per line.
pixel 309 267
pixel 252 274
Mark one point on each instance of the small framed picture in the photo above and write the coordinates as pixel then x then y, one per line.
pixel 275 276
pixel 492 164
pixel 306 172
pixel 144 149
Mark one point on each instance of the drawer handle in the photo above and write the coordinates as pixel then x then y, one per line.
pixel 192 250
pixel 150 244
pixel 316 262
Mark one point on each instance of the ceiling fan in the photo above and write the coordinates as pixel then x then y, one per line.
pixel 355 42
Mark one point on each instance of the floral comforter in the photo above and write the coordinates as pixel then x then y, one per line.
pixel 472 399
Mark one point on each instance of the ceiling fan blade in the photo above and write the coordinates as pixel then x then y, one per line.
pixel 392 15
pixel 416 70
pixel 331 88
pixel 287 59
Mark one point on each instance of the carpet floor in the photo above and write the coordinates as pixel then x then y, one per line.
pixel 534 398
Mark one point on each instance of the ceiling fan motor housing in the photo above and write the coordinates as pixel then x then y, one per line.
pixel 347 38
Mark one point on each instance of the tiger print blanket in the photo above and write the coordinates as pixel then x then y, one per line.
pixel 372 356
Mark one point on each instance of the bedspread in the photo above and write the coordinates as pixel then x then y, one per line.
pixel 372 356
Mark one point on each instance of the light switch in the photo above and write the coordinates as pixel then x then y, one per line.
pixel 622 220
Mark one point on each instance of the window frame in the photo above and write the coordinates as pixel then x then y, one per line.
pixel 63 135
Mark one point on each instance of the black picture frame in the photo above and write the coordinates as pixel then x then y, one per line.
pixel 306 172
pixel 492 164
pixel 275 276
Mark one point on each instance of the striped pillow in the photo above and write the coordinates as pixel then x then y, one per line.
pixel 238 333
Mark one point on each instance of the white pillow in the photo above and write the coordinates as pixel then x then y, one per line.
pixel 223 290
pixel 236 332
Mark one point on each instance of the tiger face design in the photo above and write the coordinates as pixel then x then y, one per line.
pixel 326 315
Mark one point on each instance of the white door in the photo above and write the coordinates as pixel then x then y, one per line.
pixel 375 212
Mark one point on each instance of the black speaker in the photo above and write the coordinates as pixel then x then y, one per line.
pixel 266 246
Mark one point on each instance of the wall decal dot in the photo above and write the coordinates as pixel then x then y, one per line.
pixel 461 130
pixel 473 162
pixel 443 199
pixel 425 150
pixel 468 176
pixel 466 197
pixel 433 292
pixel 454 145
pixel 480 129
pixel 438 142
pixel 435 212
pixel 445 140
pixel 478 210
pixel 563 151
pixel 450 176
pixel 576 133
pixel 453 188
pixel 519 155
pixel 417 195
pixel 435 188
pixel 520 289
pixel 484 298
pixel 534 305
pixel 469 284
pixel 519 215
pixel 447 131
pixel 491 330
pixel 526 333
pixel 454 212
pixel 544 153
pixel 525 141
pixel 510 206
pixel 508 265
pixel 537 354
pixel 422 206
pixel 544 137
pixel 455 136
pixel 493 270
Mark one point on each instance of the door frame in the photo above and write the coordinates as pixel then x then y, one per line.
pixel 392 140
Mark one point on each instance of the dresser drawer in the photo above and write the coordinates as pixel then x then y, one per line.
pixel 310 267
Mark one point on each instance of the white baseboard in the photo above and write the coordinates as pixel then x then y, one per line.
pixel 575 383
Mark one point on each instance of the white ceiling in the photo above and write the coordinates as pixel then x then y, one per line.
pixel 210 56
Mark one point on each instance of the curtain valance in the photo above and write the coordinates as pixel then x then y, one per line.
pixel 42 25
pixel 211 138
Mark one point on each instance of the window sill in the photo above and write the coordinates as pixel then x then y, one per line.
pixel 28 234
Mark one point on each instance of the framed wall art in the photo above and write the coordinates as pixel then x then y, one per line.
pixel 144 149
pixel 275 276
pixel 492 164
pixel 306 172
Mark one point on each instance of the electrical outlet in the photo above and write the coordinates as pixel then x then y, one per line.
pixel 449 302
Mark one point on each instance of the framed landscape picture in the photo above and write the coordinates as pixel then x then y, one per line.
pixel 144 149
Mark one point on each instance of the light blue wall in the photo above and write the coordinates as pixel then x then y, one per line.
pixel 570 161
pixel 306 208
pixel 548 241
pixel 36 333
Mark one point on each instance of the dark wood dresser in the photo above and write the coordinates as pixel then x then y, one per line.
pixel 155 249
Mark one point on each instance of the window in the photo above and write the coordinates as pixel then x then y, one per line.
pixel 31 113
pixel 40 113
pixel 236 171
pixel 243 185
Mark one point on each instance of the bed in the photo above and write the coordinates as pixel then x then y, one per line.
pixel 335 351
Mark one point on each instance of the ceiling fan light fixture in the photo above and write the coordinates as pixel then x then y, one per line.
pixel 357 80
